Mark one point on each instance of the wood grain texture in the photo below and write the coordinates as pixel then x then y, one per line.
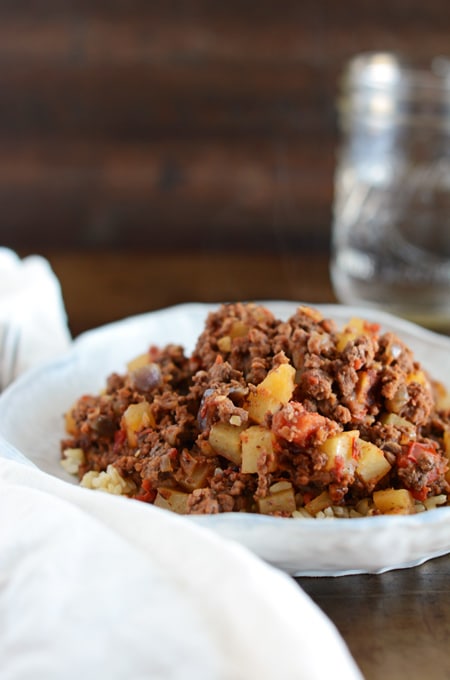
pixel 140 102
pixel 397 624
pixel 184 114
pixel 106 286
pixel 95 194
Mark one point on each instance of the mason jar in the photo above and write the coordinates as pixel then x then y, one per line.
pixel 391 213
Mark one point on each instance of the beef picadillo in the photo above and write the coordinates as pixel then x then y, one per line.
pixel 293 418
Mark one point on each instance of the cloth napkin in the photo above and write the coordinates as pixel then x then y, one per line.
pixel 99 586
pixel 31 302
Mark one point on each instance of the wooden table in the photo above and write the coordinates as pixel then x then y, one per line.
pixel 397 624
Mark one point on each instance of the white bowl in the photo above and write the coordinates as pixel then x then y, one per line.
pixel 31 426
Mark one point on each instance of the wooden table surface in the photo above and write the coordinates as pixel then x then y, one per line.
pixel 397 624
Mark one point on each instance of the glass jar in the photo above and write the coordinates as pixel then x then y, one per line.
pixel 391 222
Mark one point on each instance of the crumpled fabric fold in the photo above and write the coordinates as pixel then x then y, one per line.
pixel 31 303
pixel 94 585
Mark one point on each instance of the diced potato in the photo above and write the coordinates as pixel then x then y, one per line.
pixel 224 343
pixel 138 362
pixel 365 382
pixel 256 440
pixel 441 395
pixel 417 377
pixel 447 452
pixel 447 443
pixel 196 476
pixel 272 393
pixel 136 418
pixel 371 465
pixel 69 422
pixel 278 500
pixel 354 329
pixel 399 400
pixel 311 312
pixel 171 499
pixel 205 448
pixel 282 485
pixel 349 333
pixel 238 329
pixel 225 440
pixel 399 422
pixel 394 501
pixel 319 503
pixel 341 451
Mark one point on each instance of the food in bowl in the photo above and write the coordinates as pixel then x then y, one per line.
pixel 291 418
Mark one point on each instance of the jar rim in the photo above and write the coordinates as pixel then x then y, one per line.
pixel 395 73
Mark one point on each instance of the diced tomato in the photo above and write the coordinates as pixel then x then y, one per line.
pixel 430 464
pixel 339 467
pixel 120 437
pixel 297 425
pixel 147 494
pixel 414 453
pixel 421 494
pixel 372 328
pixel 366 382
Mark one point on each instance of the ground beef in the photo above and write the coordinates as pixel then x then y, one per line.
pixel 267 415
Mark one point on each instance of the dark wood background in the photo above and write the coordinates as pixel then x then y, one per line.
pixel 198 124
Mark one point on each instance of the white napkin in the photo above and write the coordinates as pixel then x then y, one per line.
pixel 99 586
pixel 31 301
pixel 96 586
